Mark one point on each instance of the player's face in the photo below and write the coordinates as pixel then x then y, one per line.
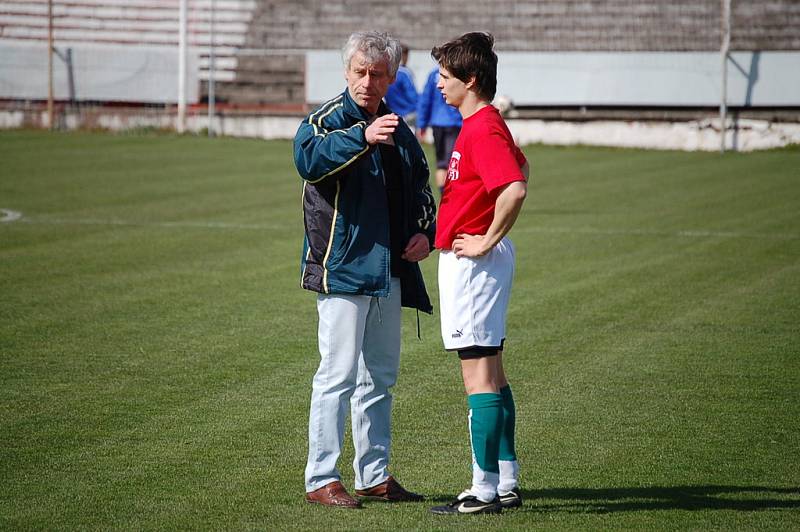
pixel 367 82
pixel 453 89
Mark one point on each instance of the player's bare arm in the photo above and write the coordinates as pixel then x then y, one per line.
pixel 507 207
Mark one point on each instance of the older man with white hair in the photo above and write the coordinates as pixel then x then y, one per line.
pixel 369 219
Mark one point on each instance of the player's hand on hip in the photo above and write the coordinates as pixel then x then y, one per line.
pixel 465 245
pixel 381 129
pixel 418 248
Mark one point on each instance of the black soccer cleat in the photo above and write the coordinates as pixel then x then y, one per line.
pixel 467 504
pixel 512 499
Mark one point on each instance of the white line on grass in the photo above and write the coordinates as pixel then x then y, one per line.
pixel 10 216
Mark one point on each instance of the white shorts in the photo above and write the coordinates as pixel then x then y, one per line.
pixel 473 297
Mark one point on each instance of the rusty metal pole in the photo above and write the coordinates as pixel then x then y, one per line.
pixel 181 125
pixel 211 75
pixel 726 43
pixel 50 64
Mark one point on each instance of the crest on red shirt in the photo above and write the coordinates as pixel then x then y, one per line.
pixel 452 169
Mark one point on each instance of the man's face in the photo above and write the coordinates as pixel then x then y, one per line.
pixel 453 89
pixel 367 82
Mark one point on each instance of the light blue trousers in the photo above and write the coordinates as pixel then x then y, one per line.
pixel 359 346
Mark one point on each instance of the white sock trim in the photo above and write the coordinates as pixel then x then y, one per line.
pixel 509 475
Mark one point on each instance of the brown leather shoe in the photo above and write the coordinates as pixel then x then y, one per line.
pixel 390 491
pixel 332 494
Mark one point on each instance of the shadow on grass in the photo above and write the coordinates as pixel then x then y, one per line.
pixel 608 500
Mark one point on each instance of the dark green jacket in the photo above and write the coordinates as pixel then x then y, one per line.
pixel 345 209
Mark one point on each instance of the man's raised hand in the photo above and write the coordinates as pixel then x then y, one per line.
pixel 381 129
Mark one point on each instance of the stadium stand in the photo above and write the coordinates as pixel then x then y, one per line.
pixel 262 47
pixel 555 25
pixel 562 25
pixel 260 43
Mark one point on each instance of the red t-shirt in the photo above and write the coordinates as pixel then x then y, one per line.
pixel 484 160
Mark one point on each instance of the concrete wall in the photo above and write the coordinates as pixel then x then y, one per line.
pixel 693 135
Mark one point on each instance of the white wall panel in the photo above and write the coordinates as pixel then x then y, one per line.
pixel 609 79
pixel 146 74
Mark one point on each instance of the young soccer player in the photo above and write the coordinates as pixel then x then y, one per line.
pixel 485 187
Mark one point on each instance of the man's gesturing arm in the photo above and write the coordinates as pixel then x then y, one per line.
pixel 506 209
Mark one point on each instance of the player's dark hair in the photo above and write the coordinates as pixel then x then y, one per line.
pixel 471 55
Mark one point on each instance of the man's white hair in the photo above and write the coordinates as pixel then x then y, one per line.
pixel 376 46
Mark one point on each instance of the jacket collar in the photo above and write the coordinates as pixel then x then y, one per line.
pixel 352 109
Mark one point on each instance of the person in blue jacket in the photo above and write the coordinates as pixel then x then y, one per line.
pixel 443 119
pixel 402 94
pixel 369 218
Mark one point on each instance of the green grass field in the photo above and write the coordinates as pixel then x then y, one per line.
pixel 156 351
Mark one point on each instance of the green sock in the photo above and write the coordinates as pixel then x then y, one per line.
pixel 486 425
pixel 507 450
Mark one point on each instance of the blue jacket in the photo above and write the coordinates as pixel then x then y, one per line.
pixel 402 94
pixel 432 110
pixel 345 208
